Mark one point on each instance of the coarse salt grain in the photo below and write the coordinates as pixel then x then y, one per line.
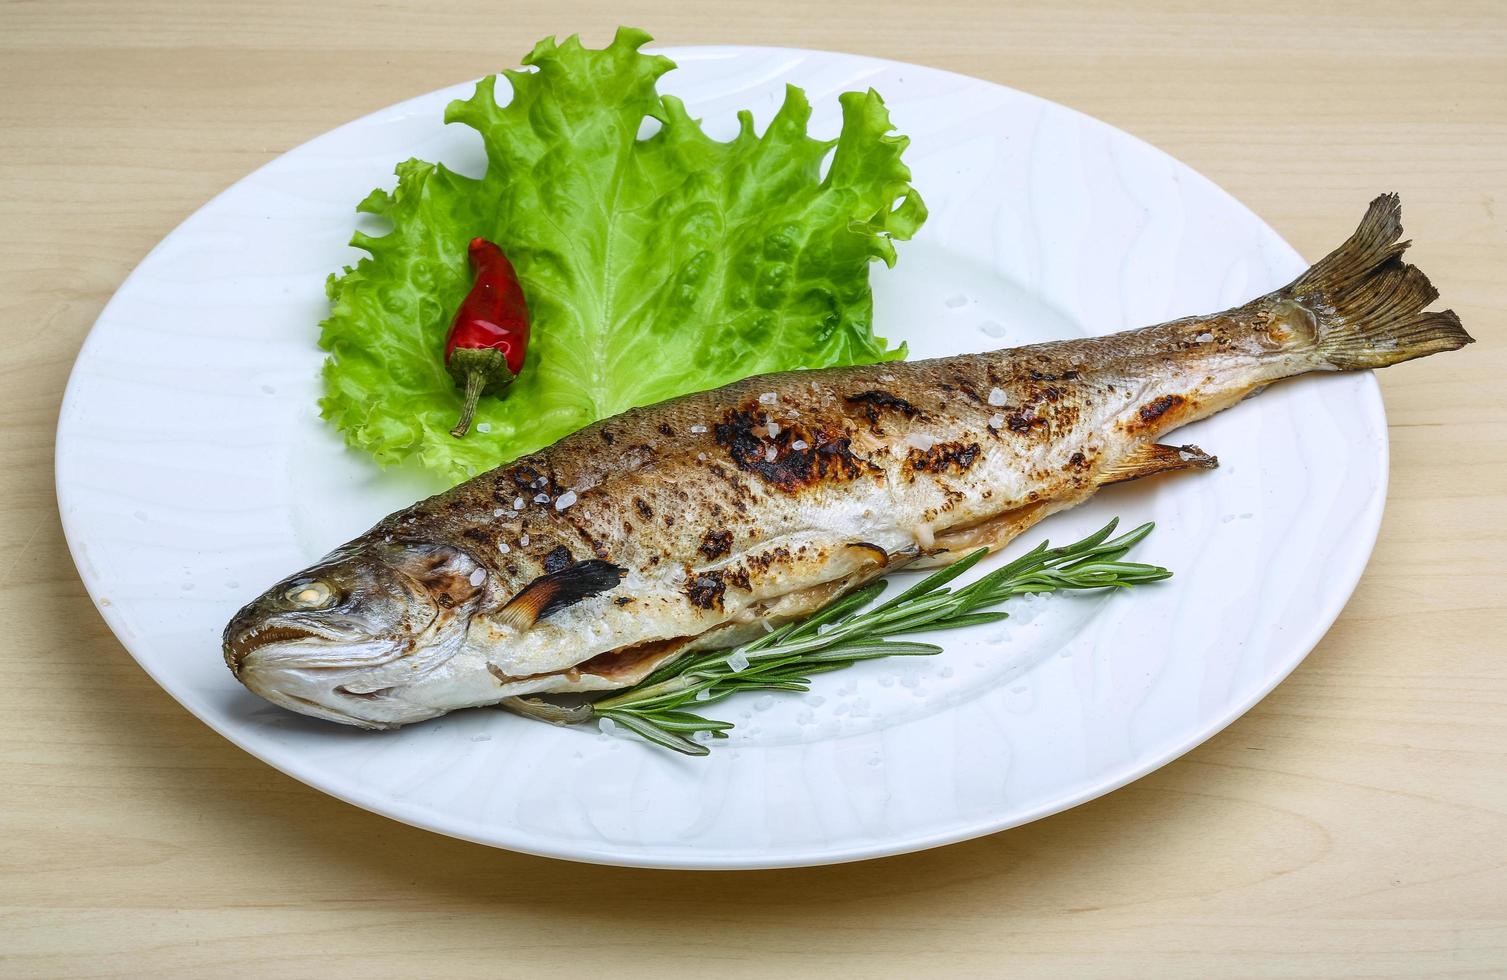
pixel 799 444
pixel 701 457
pixel 498 512
pixel 523 541
pixel 608 726
pixel 1204 338
pixel 702 737
pixel 773 428
pixel 770 452
pixel 484 427
pixel 503 547
pixel 541 498
pixel 565 500
pixel 738 662
pixel 768 398
pixel 920 440
pixel 996 421
pixel 477 577
pixel 517 503
pixel 996 397
pixel 705 694
pixel 540 482
pixel 698 429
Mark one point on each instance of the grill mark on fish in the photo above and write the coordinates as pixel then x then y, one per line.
pixel 874 400
pixel 1019 421
pixel 942 457
pixel 827 457
pixel 1156 408
pixel 705 590
pixel 716 543
pixel 528 479
pixel 761 561
pixel 558 558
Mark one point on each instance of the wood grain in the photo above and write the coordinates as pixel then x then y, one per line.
pixel 1353 824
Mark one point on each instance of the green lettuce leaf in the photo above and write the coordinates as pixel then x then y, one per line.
pixel 652 267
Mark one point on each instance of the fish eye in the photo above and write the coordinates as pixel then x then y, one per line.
pixel 310 595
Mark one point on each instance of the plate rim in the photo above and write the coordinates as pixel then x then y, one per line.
pixel 1366 525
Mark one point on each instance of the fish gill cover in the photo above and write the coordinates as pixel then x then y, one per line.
pixel 652 267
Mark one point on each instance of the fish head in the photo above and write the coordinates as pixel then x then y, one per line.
pixel 346 638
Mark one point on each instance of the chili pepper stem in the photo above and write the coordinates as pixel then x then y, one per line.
pixel 479 371
pixel 476 381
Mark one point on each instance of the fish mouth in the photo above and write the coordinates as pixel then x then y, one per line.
pixel 248 641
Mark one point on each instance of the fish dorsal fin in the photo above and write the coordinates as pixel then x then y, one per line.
pixel 1153 458
pixel 557 590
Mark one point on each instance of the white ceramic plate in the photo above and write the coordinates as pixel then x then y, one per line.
pixel 192 471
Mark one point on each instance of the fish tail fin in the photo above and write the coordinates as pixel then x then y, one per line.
pixel 1369 303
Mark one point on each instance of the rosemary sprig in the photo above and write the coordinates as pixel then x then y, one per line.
pixel 845 632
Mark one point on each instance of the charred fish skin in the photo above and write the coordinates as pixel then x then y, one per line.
pixel 679 525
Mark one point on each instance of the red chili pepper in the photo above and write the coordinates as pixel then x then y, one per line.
pixel 485 347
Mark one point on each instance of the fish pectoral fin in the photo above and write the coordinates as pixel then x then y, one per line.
pixel 557 590
pixel 1153 458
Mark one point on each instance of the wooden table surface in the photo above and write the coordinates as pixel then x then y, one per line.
pixel 1352 824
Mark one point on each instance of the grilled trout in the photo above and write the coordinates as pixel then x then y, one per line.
pixel 684 525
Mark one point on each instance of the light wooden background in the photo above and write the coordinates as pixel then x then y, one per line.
pixel 1352 824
